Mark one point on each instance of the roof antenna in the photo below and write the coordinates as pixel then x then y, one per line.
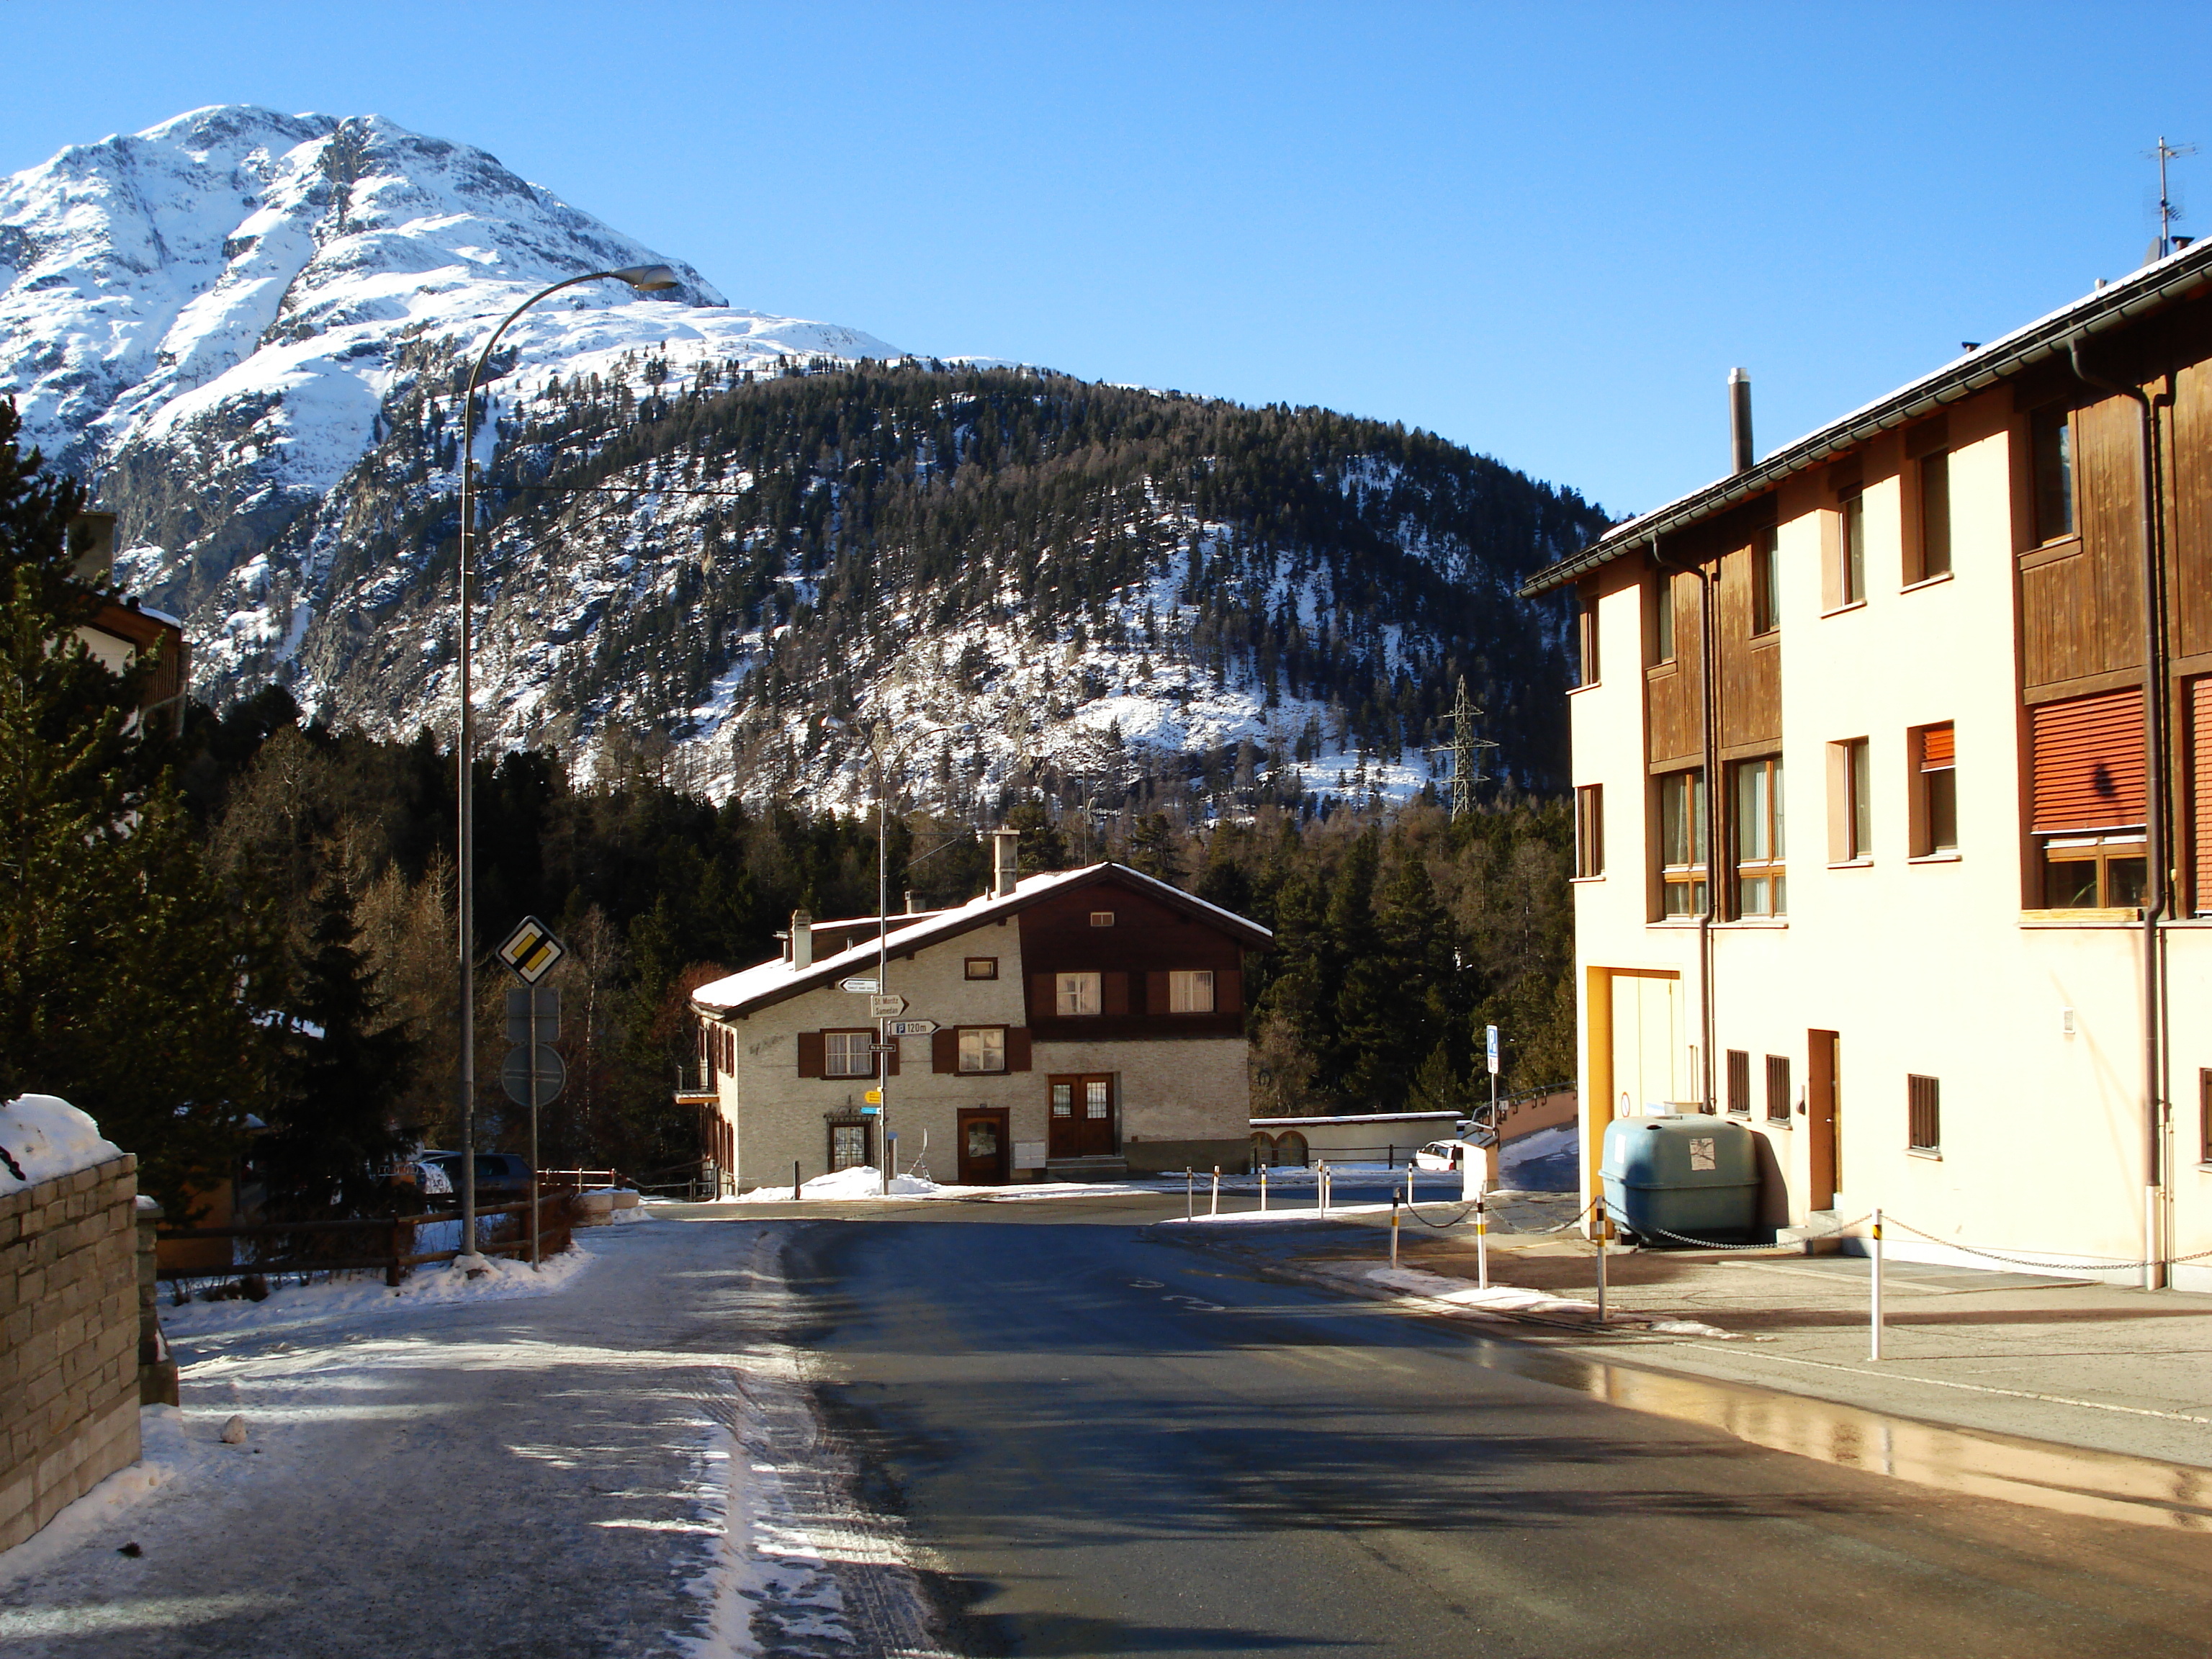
pixel 2166 242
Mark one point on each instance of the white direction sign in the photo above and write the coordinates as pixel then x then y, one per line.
pixel 886 1007
pixel 867 987
pixel 531 950
pixel 910 1028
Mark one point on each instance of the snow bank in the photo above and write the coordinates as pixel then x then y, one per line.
pixel 165 1453
pixel 1461 1293
pixel 503 1280
pixel 43 1136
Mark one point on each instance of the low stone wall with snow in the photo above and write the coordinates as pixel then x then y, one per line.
pixel 69 1339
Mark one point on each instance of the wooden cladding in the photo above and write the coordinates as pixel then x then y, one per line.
pixel 2190 446
pixel 2081 597
pixel 1750 666
pixel 1746 650
pixel 2087 755
pixel 1674 694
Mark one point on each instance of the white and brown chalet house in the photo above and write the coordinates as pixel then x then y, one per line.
pixel 122 629
pixel 1090 1021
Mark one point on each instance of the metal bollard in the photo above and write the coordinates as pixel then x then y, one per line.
pixel 1394 1228
pixel 1214 1206
pixel 1189 1194
pixel 1320 1189
pixel 1481 1245
pixel 1874 1292
pixel 795 1182
pixel 1604 1232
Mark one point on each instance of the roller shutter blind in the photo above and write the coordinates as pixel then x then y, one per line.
pixel 2086 753
pixel 2200 737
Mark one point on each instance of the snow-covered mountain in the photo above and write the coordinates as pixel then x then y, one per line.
pixel 250 330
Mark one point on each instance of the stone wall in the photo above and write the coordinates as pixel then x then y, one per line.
pixel 70 1320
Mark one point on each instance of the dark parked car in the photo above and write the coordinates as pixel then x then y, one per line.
pixel 501 1177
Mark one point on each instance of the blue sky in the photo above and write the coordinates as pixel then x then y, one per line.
pixel 1545 232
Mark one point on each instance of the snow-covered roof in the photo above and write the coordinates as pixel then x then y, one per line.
pixel 1357 1117
pixel 2161 283
pixel 772 982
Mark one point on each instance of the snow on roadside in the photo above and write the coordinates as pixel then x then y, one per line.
pixel 43 1136
pixel 1461 1293
pixel 167 1454
pixel 504 1279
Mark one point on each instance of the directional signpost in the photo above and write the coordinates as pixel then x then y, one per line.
pixel 532 1074
pixel 860 986
pixel 886 1007
pixel 905 1028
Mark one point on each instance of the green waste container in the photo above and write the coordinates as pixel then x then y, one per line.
pixel 1695 1176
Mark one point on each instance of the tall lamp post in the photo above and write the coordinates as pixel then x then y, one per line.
pixel 646 279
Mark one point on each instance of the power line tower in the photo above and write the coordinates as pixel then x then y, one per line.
pixel 1465 749
pixel 2167 213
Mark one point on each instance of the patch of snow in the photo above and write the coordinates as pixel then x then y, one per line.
pixel 505 1277
pixel 43 1137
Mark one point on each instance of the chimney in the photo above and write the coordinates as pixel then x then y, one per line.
pixel 1006 862
pixel 1740 420
pixel 802 941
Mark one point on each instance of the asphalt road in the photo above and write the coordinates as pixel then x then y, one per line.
pixel 1112 1444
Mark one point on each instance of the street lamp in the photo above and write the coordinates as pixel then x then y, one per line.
pixel 646 279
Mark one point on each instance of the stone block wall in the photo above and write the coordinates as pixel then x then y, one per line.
pixel 69 1340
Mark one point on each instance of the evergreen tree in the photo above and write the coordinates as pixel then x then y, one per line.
pixel 1151 849
pixel 345 1065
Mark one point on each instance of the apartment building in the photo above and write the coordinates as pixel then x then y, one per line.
pixel 1892 755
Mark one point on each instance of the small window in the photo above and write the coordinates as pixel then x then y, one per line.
pixel 1766 577
pixel 2204 1116
pixel 847 1054
pixel 1190 993
pixel 1850 547
pixel 1585 640
pixel 1682 843
pixel 1078 993
pixel 2095 873
pixel 849 1146
pixel 1102 917
pixel 982 1047
pixel 1761 887
pixel 1739 1081
pixel 983 968
pixel 1936 757
pixel 1934 480
pixel 1589 830
pixel 1662 619
pixel 2051 441
pixel 1924 1099
pixel 1777 1088
pixel 1851 802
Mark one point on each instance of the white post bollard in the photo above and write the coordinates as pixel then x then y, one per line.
pixel 1481 1245
pixel 1263 1189
pixel 1215 1207
pixel 1189 1194
pixel 1394 1231
pixel 1604 1232
pixel 1873 1295
pixel 1320 1189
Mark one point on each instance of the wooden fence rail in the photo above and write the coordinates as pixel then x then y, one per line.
pixel 554 1225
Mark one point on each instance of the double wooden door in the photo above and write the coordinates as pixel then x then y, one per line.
pixel 1083 1117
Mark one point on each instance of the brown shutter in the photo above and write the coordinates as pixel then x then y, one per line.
pixel 810 1056
pixel 1229 991
pixel 1113 994
pixel 945 1050
pixel 2200 723
pixel 1042 1005
pixel 1017 1048
pixel 1157 1000
pixel 2088 756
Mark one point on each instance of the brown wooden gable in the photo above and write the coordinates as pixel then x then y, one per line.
pixel 1150 937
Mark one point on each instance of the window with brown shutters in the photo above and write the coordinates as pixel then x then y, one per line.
pixel 1739 1081
pixel 1924 1108
pixel 1934 790
pixel 1777 1089
pixel 2086 760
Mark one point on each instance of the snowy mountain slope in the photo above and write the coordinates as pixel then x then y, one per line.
pixel 208 317
pixel 711 540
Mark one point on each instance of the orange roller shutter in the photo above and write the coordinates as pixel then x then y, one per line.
pixel 2200 737
pixel 1939 747
pixel 2087 756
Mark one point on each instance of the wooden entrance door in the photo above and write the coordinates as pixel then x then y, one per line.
pixel 1083 1117
pixel 985 1154
pixel 1820 1098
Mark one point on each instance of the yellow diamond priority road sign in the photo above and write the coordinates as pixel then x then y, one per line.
pixel 531 950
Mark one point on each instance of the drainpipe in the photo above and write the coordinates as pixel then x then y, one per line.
pixel 1708 725
pixel 2158 859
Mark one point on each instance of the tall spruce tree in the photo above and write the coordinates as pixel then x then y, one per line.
pixel 127 976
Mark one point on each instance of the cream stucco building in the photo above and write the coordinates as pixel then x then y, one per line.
pixel 1883 847
pixel 1087 1022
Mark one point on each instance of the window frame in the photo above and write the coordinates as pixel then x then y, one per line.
pixel 2054 505
pixel 1096 988
pixel 1766 582
pixel 1586 640
pixel 1663 619
pixel 1779 1089
pixel 1102 917
pixel 1934 793
pixel 1766 873
pixel 1589 831
pixel 1932 551
pixel 1691 875
pixel 847 1122
pixel 1850 546
pixel 1738 1082
pixel 2204 1115
pixel 1182 988
pixel 989 965
pixel 869 1037
pixel 961 1066
pixel 2102 851
pixel 1923 1113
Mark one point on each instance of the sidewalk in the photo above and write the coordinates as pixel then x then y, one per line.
pixel 2066 1361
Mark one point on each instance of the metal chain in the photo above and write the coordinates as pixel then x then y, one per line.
pixel 1710 1244
pixel 2048 1267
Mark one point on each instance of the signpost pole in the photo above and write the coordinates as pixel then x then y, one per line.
pixel 537 1088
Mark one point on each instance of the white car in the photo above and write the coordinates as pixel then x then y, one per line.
pixel 1448 1155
